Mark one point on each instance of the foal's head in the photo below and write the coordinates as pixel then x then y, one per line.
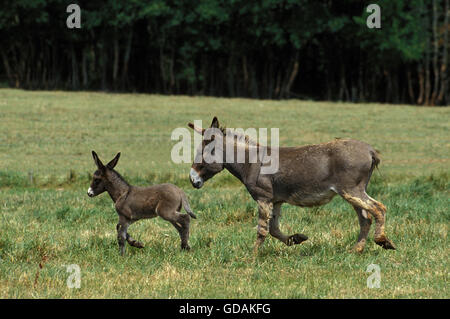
pixel 100 179
pixel 209 157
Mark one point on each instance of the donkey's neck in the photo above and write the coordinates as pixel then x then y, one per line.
pixel 236 169
pixel 117 186
pixel 248 171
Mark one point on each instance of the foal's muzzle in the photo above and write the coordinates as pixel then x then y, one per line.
pixel 90 192
pixel 196 180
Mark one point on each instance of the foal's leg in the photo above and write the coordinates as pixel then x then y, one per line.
pixel 122 227
pixel 365 222
pixel 376 209
pixel 131 241
pixel 182 226
pixel 179 221
pixel 274 228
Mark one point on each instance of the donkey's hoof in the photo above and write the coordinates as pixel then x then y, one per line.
pixel 358 248
pixel 185 247
pixel 386 244
pixel 296 239
pixel 138 244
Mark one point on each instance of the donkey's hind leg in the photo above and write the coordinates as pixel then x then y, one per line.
pixel 182 226
pixel 179 221
pixel 376 209
pixel 264 213
pixel 365 222
pixel 274 228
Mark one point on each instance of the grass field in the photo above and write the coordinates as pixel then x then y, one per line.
pixel 46 217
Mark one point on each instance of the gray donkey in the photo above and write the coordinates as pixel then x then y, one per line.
pixel 307 176
pixel 133 203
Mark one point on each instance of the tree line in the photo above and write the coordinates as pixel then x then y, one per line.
pixel 269 49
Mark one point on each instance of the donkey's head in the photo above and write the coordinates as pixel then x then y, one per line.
pixel 100 177
pixel 209 157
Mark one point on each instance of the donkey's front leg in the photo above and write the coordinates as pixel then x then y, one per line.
pixel 122 228
pixel 274 228
pixel 131 241
pixel 264 213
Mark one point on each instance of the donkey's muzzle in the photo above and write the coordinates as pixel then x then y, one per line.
pixel 196 180
pixel 90 192
pixel 197 184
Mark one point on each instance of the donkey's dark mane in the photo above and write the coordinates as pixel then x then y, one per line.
pixel 120 177
pixel 238 134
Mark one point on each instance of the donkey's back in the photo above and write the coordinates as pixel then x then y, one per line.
pixel 151 201
pixel 311 175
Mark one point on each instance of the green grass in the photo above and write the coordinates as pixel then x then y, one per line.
pixel 45 162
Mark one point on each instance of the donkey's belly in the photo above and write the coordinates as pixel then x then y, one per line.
pixel 307 199
pixel 143 213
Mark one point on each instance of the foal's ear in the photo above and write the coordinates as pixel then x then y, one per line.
pixel 197 129
pixel 97 161
pixel 113 162
pixel 215 122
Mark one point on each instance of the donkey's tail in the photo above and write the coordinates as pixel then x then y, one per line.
pixel 375 157
pixel 186 206
pixel 375 154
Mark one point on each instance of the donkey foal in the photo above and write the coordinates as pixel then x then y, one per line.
pixel 133 203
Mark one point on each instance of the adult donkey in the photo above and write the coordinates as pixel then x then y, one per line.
pixel 307 176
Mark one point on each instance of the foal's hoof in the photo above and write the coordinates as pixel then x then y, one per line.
pixel 386 244
pixel 296 239
pixel 185 247
pixel 138 244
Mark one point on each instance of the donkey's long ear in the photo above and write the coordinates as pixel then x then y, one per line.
pixel 113 162
pixel 97 161
pixel 197 129
pixel 215 122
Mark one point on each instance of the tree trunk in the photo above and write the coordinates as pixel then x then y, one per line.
pixel 230 76
pixel 171 71
pixel 116 60
pixel 410 87
pixel 126 59
pixel 7 67
pixel 276 93
pixel 343 91
pixel 84 69
pixel 435 55
pixel 361 97
pixel 75 78
pixel 420 72
pixel 292 76
pixel 444 75
pixel 427 76
pixel 104 63
pixel 162 68
pixel 245 72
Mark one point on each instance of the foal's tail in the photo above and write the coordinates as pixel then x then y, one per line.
pixel 186 206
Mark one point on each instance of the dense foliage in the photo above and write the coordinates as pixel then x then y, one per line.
pixel 318 49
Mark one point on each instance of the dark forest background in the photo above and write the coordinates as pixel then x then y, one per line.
pixel 271 49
